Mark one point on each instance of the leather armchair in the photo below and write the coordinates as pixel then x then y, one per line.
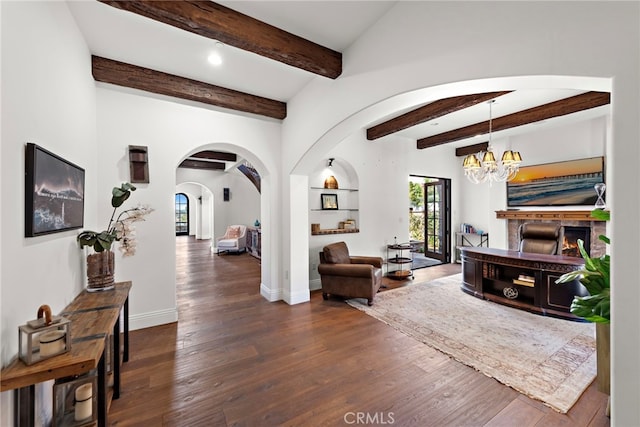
pixel 541 238
pixel 349 276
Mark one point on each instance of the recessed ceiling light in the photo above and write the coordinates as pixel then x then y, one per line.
pixel 215 59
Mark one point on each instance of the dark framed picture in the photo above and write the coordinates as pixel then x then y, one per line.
pixel 329 201
pixel 567 183
pixel 54 193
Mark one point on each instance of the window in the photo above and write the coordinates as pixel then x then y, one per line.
pixel 182 215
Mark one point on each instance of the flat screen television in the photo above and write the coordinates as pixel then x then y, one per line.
pixel 567 183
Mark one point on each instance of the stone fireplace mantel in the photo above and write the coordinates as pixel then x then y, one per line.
pixel 574 218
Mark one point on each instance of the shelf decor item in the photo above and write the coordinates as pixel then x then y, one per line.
pixel 99 255
pixel 329 201
pixel 44 337
pixel 331 182
pixel 600 189
pixel 74 400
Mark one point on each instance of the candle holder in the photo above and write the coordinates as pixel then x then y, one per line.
pixel 43 338
pixel 74 400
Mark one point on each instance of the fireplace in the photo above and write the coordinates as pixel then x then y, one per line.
pixel 571 236
pixel 577 225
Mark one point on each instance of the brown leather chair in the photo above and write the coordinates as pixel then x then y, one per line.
pixel 349 276
pixel 541 238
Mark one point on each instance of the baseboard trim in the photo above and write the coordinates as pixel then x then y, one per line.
pixel 297 298
pixel 270 295
pixel 154 318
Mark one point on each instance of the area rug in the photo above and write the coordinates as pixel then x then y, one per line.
pixel 550 360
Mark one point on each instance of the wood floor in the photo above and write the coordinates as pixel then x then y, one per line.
pixel 234 359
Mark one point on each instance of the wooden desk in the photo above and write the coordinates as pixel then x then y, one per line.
pixel 94 316
pixel 493 274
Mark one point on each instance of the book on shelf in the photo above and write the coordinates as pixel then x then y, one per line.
pixel 467 228
pixel 523 283
pixel 525 280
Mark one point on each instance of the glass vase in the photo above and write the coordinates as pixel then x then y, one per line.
pixel 100 270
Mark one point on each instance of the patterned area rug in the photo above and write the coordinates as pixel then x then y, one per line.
pixel 550 360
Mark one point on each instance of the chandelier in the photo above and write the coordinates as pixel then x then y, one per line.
pixel 489 169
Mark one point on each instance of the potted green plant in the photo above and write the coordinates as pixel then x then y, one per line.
pixel 97 244
pixel 595 307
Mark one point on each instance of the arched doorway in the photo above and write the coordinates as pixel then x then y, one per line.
pixel 182 214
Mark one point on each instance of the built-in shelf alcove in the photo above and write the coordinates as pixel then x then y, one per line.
pixel 341 216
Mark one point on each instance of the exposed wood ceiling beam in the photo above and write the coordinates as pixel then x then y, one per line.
pixel 122 74
pixel 472 149
pixel 201 164
pixel 216 155
pixel 562 107
pixel 428 112
pixel 214 21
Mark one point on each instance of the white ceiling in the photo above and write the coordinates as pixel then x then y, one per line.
pixel 128 37
pixel 120 35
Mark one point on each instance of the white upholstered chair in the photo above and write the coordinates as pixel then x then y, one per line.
pixel 234 240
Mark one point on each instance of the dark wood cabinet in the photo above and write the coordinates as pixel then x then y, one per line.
pixel 521 280
pixel 472 277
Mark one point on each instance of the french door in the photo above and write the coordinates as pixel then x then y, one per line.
pixel 437 212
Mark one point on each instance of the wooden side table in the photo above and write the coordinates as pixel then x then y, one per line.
pixel 94 316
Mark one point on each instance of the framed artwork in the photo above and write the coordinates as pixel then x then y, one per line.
pixel 329 201
pixel 568 183
pixel 54 193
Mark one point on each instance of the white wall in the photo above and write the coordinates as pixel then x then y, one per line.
pixel 48 98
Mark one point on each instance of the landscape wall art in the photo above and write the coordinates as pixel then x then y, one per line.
pixel 54 193
pixel 568 183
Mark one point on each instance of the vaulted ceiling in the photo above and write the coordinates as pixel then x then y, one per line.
pixel 270 50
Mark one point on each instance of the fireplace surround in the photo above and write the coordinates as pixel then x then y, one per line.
pixel 580 221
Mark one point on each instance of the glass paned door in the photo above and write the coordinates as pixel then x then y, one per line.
pixel 437 232
pixel 182 214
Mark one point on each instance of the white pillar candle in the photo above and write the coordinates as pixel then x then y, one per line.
pixel 52 343
pixel 84 402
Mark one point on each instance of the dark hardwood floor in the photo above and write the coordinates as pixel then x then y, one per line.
pixel 234 359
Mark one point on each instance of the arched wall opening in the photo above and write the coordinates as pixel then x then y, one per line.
pixel 376 162
pixel 238 209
